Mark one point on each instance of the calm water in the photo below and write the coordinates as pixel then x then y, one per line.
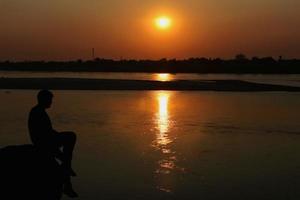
pixel 293 80
pixel 172 145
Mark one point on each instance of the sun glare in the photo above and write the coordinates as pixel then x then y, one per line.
pixel 163 22
pixel 163 77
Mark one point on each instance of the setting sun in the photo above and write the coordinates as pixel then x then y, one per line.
pixel 163 22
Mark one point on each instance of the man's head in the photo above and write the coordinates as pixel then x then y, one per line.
pixel 45 98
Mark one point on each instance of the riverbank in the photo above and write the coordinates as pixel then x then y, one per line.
pixel 117 84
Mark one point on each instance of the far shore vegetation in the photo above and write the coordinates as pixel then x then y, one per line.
pixel 241 64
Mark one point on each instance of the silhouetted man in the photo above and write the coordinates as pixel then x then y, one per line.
pixel 49 141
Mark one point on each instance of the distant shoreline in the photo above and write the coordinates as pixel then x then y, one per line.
pixel 240 65
pixel 116 84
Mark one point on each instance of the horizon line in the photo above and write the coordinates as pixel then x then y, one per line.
pixel 249 58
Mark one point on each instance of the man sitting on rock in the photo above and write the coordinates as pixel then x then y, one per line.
pixel 49 141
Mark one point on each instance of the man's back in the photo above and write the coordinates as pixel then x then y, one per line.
pixel 39 125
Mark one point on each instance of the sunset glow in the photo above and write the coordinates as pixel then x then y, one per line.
pixel 68 30
pixel 163 22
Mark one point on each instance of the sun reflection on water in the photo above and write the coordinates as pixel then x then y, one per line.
pixel 163 77
pixel 163 142
pixel 163 118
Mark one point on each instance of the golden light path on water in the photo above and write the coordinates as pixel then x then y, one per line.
pixel 163 142
pixel 163 118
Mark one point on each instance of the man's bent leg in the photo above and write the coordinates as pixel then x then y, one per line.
pixel 67 140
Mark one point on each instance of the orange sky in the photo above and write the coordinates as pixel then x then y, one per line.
pixel 69 29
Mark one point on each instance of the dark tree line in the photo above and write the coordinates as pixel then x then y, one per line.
pixel 239 65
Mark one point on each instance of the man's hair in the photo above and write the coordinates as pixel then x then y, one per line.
pixel 44 95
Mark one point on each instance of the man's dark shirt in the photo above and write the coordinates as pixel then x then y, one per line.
pixel 40 127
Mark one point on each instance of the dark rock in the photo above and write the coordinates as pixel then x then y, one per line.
pixel 25 173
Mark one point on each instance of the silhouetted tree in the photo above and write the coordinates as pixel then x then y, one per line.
pixel 240 64
pixel 240 57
